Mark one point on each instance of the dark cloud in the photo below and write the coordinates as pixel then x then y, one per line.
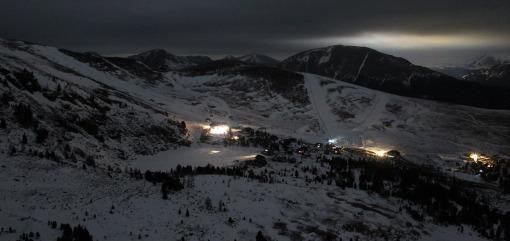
pixel 234 27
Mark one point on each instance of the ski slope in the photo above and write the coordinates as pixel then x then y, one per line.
pixel 349 133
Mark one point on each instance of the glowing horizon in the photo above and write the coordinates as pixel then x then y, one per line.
pixel 389 40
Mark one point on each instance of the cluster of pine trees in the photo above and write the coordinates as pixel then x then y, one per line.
pixel 70 233
pixel 30 236
pixel 446 199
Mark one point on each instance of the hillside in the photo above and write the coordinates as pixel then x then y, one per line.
pixel 163 61
pixel 56 106
pixel 121 151
pixel 370 68
pixel 497 76
pixel 258 59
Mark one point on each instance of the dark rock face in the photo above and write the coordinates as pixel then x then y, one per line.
pixel 370 68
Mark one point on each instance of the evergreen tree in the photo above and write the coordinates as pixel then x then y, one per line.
pixel 164 192
pixel 208 203
pixel 182 127
pixel 24 139
pixel 27 81
pixel 24 116
pixel 12 151
pixel 3 124
pixel 260 237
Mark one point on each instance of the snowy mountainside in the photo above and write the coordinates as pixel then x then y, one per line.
pixel 123 68
pixel 486 70
pixel 163 61
pixel 58 107
pixel 497 75
pixel 287 103
pixel 108 110
pixel 420 128
pixel 370 68
pixel 253 96
pixel 108 202
pixel 358 116
pixel 355 114
pixel 486 61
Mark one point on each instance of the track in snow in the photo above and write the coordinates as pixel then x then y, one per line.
pixel 329 123
pixel 311 87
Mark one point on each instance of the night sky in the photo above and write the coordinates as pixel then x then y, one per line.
pixel 429 32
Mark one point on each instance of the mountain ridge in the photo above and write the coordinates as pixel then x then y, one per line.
pixel 373 69
pixel 163 61
pixel 255 58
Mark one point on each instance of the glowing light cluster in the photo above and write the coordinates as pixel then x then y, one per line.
pixel 474 156
pixel 219 130
pixel 380 153
pixel 377 152
pixel 410 41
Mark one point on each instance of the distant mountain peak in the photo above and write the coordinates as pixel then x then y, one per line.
pixel 163 61
pixel 373 69
pixel 485 61
pixel 497 75
pixel 229 57
pixel 255 58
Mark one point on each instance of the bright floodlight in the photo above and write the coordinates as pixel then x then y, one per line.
pixel 380 153
pixel 219 130
pixel 332 141
pixel 214 152
pixel 474 156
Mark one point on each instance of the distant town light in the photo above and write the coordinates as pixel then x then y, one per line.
pixel 219 130
pixel 376 152
pixel 332 141
pixel 474 156
pixel 214 152
pixel 380 153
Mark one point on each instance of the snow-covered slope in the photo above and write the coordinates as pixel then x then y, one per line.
pixel 420 128
pixel 108 110
pixel 486 70
pixel 424 130
pixel 287 103
pixel 497 75
pixel 485 61
pixel 370 68
pixel 61 108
